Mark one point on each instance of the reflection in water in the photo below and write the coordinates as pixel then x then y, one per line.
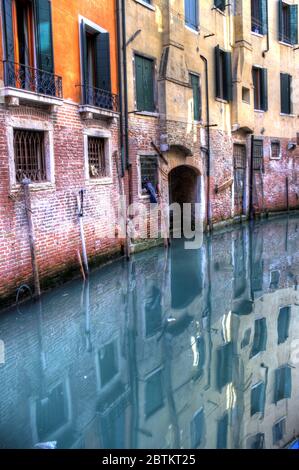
pixel 174 349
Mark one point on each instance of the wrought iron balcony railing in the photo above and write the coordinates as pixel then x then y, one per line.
pixel 99 98
pixel 31 79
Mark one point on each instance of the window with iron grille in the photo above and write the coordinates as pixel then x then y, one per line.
pixel 275 150
pixel 258 155
pixel 149 170
pixel 29 155
pixel 239 157
pixel 97 157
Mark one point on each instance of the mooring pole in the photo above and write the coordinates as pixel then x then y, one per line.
pixel 26 182
pixel 80 199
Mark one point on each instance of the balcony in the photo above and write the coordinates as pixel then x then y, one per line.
pixel 97 102
pixel 24 84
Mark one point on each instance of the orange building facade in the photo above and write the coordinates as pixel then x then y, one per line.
pixel 59 134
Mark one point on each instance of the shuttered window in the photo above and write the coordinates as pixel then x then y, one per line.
pixel 278 431
pixel 260 337
pixel 195 83
pixel 283 324
pixel 259 16
pixel 222 429
pixel 220 4
pixel 191 13
pixel 108 362
pixel 43 17
pixel 223 74
pixel 258 398
pixel 288 23
pixel 260 83
pixel 224 365
pixel 154 393
pixel 144 76
pixel 283 383
pixel 197 429
pixel 285 92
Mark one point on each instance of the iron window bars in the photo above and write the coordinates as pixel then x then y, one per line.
pixel 97 157
pixel 29 154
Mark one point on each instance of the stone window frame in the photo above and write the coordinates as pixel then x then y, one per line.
pixel 275 141
pixel 103 134
pixel 145 154
pixel 32 125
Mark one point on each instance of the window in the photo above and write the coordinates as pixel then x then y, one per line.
pixel 288 23
pixel 260 337
pixel 51 412
pixel 245 95
pixel 279 430
pixel 29 155
pixel 149 170
pixel 224 365
pixel 197 429
pixel 195 83
pixel 256 442
pixel 220 4
pixel 283 383
pixel 108 362
pixel 97 157
pixel 275 150
pixel 95 66
pixel 258 155
pixel 191 13
pixel 285 93
pixel 153 312
pixel 246 338
pixel 223 70
pixel 283 324
pixel 28 43
pixel 258 398
pixel 260 84
pixel 259 17
pixel 222 428
pixel 274 279
pixel 144 75
pixel 153 393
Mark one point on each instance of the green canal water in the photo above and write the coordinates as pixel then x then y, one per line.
pixel 178 349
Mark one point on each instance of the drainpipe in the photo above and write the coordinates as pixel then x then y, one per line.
pixel 120 90
pixel 209 206
pixel 125 89
pixel 251 211
pixel 268 37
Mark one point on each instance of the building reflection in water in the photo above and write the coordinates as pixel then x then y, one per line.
pixel 178 349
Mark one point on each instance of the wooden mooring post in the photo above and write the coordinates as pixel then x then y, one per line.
pixel 26 182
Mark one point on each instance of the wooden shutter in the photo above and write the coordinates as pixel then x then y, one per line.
pixel 222 429
pixel 8 30
pixel 148 84
pixel 294 23
pixel 280 21
pixel 139 83
pixel 264 89
pixel 264 15
pixel 103 69
pixel 84 66
pixel 44 41
pixel 187 11
pixel 196 96
pixel 217 72
pixel 228 76
pixel 285 91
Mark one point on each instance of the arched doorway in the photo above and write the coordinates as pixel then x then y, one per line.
pixel 184 187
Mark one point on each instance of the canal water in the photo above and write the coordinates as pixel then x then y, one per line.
pixel 185 349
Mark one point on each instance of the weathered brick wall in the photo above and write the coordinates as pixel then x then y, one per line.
pixel 54 210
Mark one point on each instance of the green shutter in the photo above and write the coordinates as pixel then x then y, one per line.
pixel 285 91
pixel 264 15
pixel 84 63
pixel 9 55
pixel 44 42
pixel 139 83
pixel 294 23
pixel 224 365
pixel 280 21
pixel 148 84
pixel 222 429
pixel 283 324
pixel 264 89
pixel 196 97
pixel 217 71
pixel 187 11
pixel 228 76
pixel 103 72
